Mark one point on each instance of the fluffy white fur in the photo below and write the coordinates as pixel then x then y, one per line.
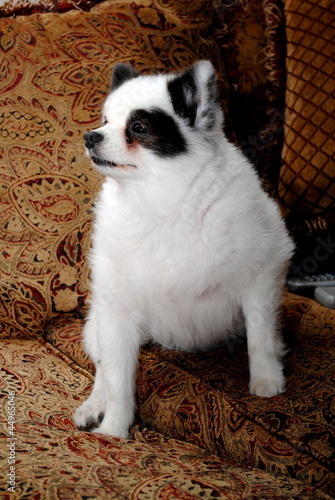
pixel 186 251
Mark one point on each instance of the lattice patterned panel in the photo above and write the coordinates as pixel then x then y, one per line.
pixel 308 172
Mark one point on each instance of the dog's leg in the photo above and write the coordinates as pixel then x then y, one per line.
pixel 89 415
pixel 265 347
pixel 119 341
pixel 110 408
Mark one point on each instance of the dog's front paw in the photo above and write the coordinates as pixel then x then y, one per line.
pixel 116 422
pixel 88 416
pixel 112 430
pixel 266 388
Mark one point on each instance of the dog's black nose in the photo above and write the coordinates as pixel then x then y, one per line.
pixel 92 138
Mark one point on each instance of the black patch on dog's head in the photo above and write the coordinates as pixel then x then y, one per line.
pixel 121 73
pixel 155 130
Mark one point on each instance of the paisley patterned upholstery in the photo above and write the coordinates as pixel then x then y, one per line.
pixel 56 460
pixel 199 433
pixel 208 436
pixel 17 7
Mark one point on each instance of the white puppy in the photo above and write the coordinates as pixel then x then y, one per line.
pixel 187 247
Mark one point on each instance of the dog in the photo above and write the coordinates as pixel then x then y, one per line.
pixel 187 247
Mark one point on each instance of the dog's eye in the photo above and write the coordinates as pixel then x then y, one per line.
pixel 138 128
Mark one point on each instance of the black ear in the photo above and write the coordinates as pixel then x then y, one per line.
pixel 121 73
pixel 194 95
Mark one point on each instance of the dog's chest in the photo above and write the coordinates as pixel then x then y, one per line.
pixel 179 251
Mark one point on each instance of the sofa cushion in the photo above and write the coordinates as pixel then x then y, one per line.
pixel 203 398
pixel 64 332
pixel 307 177
pixel 50 458
pixel 55 73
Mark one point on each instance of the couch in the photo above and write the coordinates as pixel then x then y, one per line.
pixel 198 432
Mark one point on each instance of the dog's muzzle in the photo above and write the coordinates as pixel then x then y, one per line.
pixel 92 138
